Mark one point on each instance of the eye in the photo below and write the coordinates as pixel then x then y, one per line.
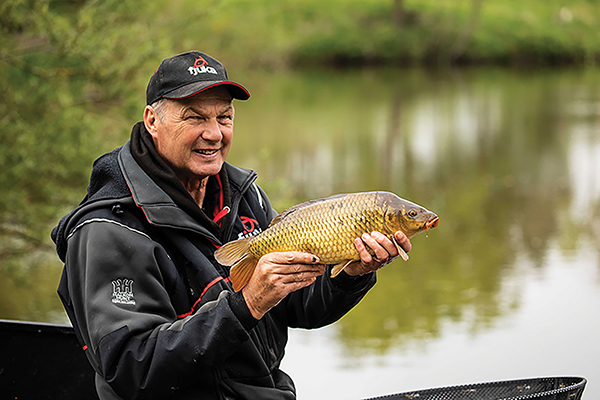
pixel 412 213
pixel 225 119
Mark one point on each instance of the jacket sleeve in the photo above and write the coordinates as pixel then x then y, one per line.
pixel 118 287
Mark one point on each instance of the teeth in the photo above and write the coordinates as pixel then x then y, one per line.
pixel 206 152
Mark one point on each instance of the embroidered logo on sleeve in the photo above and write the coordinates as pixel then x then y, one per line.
pixel 123 291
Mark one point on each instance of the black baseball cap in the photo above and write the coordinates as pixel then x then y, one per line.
pixel 188 74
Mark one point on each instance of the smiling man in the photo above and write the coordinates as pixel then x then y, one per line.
pixel 154 311
pixel 193 136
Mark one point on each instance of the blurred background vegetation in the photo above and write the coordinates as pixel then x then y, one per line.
pixel 484 111
pixel 73 74
pixel 77 60
pixel 86 36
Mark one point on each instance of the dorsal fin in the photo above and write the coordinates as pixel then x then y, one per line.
pixel 295 208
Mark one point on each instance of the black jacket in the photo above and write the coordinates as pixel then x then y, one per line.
pixel 156 314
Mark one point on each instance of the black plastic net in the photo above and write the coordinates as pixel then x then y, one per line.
pixel 551 388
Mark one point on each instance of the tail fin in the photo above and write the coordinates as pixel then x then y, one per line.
pixel 242 271
pixel 237 254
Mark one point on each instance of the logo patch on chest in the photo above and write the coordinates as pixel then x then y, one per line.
pixel 251 228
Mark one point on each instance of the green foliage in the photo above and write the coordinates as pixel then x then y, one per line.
pixel 465 31
pixel 73 76
pixel 59 80
pixel 87 37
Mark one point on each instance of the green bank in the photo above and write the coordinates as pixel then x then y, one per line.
pixel 86 35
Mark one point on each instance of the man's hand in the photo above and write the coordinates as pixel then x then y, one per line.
pixel 278 274
pixel 385 251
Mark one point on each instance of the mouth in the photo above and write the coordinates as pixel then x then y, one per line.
pixel 207 152
pixel 432 223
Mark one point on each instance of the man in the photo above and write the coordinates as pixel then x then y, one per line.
pixel 155 313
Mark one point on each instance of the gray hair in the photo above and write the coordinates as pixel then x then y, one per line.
pixel 160 106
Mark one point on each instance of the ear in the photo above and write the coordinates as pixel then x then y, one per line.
pixel 151 120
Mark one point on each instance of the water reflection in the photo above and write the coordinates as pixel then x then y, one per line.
pixel 506 158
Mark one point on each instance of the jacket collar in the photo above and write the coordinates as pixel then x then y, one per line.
pixel 159 208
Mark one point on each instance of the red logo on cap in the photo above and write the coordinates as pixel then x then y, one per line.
pixel 200 62
pixel 201 67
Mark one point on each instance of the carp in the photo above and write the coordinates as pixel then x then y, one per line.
pixel 327 228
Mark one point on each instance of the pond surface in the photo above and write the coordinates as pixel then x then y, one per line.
pixel 506 287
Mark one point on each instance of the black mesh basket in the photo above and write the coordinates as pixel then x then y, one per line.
pixel 552 388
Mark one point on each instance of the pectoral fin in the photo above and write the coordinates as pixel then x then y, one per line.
pixel 232 252
pixel 335 271
pixel 400 249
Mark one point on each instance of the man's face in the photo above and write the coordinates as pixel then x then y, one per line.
pixel 194 135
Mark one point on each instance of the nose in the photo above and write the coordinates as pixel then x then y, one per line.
pixel 212 131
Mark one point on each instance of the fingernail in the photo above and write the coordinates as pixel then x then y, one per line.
pixel 365 236
pixel 315 259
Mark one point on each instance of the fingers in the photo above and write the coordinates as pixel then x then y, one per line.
pixel 382 251
pixel 294 267
pixel 291 257
pixel 382 247
pixel 278 274
pixel 403 241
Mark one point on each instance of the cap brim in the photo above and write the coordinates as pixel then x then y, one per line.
pixel 236 90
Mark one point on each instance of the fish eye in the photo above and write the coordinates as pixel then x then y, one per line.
pixel 412 213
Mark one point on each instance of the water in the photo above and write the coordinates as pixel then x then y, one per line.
pixel 506 287
pixel 553 332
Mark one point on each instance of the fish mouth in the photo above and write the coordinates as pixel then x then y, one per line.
pixel 432 223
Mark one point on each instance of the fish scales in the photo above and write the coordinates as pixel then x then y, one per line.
pixel 327 228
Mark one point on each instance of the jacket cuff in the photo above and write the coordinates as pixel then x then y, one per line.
pixel 241 311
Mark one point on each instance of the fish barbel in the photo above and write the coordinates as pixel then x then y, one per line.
pixel 327 228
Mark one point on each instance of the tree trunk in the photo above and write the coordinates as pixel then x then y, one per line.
pixel 398 12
